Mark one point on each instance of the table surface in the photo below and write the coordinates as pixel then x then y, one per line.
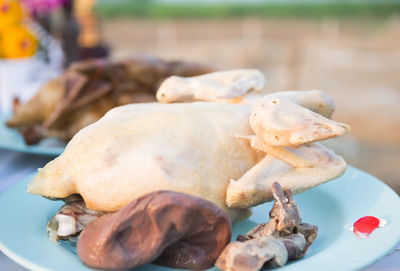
pixel 15 166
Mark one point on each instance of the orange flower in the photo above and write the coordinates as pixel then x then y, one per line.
pixel 17 42
pixel 10 13
pixel 1 47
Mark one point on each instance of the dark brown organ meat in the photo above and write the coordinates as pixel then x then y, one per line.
pixel 170 228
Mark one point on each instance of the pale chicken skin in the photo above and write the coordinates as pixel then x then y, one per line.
pixel 137 149
pixel 222 152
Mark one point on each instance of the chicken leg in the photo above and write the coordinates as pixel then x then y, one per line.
pixel 285 131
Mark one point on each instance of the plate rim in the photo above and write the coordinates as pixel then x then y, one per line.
pixel 31 149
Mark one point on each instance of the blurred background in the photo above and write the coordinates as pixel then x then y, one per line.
pixel 349 49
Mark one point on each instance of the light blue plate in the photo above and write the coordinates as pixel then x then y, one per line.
pixel 10 139
pixel 333 207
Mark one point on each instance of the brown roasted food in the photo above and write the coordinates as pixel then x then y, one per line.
pixel 271 244
pixel 88 89
pixel 172 229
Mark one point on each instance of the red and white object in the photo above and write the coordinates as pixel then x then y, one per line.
pixel 364 226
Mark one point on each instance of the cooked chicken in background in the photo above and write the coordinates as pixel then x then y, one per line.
pixel 88 89
pixel 229 154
